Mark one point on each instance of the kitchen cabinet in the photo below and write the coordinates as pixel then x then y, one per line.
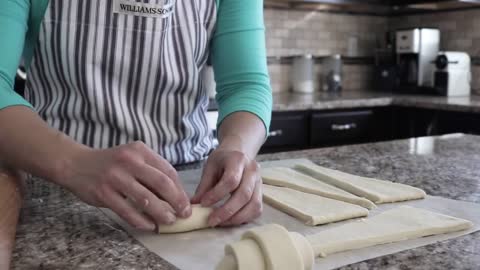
pixel 414 122
pixel 347 127
pixel 288 131
pixel 310 129
pixel 410 122
pixel 451 122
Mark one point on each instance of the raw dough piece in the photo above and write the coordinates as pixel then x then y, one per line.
pixel 394 225
pixel 198 220
pixel 280 253
pixel 311 209
pixel 286 177
pixel 246 254
pixel 269 247
pixel 377 191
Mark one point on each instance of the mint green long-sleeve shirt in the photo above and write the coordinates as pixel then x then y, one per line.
pixel 237 50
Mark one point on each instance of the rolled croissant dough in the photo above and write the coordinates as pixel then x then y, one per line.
pixel 286 177
pixel 377 191
pixel 198 220
pixel 268 247
pixel 311 209
pixel 272 247
pixel 394 225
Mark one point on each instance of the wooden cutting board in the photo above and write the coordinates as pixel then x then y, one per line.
pixel 10 203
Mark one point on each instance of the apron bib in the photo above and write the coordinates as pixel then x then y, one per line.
pixel 115 71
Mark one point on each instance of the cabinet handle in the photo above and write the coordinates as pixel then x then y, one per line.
pixel 342 127
pixel 275 133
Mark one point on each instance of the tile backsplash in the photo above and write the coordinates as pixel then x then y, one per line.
pixel 355 77
pixel 292 32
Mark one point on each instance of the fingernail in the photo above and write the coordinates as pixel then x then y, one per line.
pixel 186 211
pixel 170 218
pixel 151 226
pixel 213 222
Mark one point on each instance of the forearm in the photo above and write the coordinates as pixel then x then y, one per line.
pixel 29 144
pixel 242 131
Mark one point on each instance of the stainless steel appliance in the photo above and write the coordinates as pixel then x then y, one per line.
pixel 332 73
pixel 416 50
pixel 453 75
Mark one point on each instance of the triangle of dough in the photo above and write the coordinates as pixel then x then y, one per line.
pixel 377 191
pixel 398 224
pixel 286 177
pixel 311 209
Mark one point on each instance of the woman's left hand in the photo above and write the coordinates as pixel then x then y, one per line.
pixel 230 172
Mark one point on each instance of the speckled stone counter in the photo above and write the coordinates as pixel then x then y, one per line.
pixel 57 231
pixel 359 99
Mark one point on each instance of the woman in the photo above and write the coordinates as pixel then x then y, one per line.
pixel 114 100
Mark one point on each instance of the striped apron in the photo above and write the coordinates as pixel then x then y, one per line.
pixel 109 72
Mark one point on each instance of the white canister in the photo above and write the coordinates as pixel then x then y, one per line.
pixel 302 78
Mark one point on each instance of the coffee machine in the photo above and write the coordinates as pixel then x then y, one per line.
pixel 453 74
pixel 416 50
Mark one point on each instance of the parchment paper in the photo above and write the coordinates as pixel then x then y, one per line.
pixel 202 250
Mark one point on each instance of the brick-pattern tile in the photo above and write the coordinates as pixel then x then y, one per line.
pixel 291 32
pixel 355 77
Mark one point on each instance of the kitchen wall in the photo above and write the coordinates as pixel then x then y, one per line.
pixel 292 32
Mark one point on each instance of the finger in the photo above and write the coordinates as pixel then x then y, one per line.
pixel 207 181
pixel 241 197
pixel 160 211
pixel 161 164
pixel 164 187
pixel 158 162
pixel 230 180
pixel 250 211
pixel 127 212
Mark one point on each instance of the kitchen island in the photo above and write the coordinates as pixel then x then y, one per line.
pixel 57 231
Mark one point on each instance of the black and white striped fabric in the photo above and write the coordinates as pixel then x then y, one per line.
pixel 107 78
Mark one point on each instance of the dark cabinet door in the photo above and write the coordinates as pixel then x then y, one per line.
pixel 416 122
pixel 454 122
pixel 334 128
pixel 288 131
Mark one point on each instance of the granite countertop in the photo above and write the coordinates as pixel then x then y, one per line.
pixel 359 99
pixel 362 99
pixel 57 231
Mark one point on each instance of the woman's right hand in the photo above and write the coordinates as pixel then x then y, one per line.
pixel 105 178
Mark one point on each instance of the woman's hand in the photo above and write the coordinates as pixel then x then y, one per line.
pixel 228 172
pixel 105 178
